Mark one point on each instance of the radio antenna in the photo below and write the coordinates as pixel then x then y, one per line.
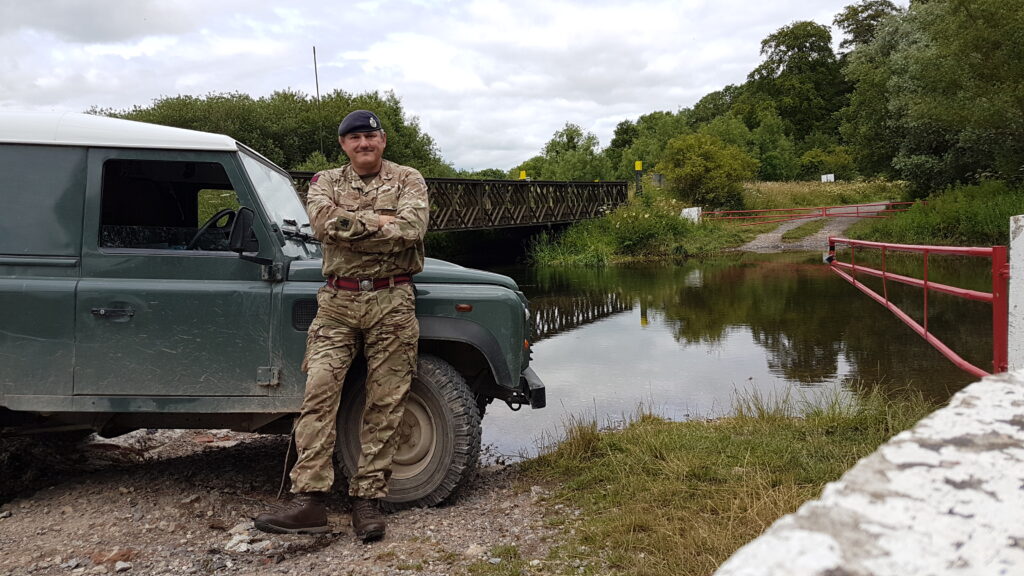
pixel 319 112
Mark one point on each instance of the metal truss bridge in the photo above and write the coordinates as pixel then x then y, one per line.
pixel 457 204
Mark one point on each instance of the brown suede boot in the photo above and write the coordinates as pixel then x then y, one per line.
pixel 367 519
pixel 306 515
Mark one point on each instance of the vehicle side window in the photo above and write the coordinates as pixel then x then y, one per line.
pixel 166 205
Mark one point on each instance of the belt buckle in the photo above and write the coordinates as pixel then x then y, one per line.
pixel 365 285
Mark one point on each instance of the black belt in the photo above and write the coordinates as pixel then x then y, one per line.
pixel 366 284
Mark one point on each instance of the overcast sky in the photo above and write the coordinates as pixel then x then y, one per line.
pixel 489 80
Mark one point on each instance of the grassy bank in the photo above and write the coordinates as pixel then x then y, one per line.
pixel 668 498
pixel 804 230
pixel 649 227
pixel 969 215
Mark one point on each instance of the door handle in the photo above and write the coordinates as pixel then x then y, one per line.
pixel 114 313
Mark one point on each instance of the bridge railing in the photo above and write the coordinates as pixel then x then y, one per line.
pixel 463 204
pixel 772 215
pixel 998 297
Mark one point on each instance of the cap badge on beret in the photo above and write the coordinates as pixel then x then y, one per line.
pixel 359 121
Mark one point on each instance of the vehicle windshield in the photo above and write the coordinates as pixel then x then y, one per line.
pixel 282 204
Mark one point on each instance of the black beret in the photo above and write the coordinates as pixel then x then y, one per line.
pixel 359 121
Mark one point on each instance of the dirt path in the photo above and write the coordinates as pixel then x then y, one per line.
pixel 772 241
pixel 181 502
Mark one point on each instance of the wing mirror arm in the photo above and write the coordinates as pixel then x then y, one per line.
pixel 243 241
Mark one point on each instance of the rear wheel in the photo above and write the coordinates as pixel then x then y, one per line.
pixel 439 437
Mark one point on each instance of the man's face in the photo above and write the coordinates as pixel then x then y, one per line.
pixel 364 150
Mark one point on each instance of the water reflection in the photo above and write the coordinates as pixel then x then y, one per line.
pixel 684 339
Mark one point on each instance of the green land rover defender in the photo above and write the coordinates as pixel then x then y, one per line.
pixel 153 277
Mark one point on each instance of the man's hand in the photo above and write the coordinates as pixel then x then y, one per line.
pixel 385 220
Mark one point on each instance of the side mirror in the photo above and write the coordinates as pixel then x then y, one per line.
pixel 243 241
pixel 242 238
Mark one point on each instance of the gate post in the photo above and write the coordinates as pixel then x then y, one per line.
pixel 1016 289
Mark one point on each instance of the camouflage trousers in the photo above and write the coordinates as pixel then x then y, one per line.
pixel 382 324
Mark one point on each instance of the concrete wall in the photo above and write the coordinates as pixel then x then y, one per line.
pixel 946 497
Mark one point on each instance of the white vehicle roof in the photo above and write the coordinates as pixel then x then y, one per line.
pixel 70 129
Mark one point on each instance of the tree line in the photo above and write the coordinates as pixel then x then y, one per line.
pixel 295 130
pixel 932 94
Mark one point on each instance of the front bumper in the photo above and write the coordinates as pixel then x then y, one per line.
pixel 533 388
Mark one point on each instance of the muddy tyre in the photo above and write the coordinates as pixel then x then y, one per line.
pixel 439 443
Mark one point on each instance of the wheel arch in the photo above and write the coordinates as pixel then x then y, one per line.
pixel 472 350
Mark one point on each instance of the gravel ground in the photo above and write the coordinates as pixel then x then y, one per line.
pixel 181 502
pixel 770 242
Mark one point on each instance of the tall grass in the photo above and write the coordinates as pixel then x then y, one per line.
pixel 765 195
pixel 978 214
pixel 669 498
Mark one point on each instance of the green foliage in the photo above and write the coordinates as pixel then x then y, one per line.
pixel 571 154
pixel 485 174
pixel 648 227
pixel 937 94
pixel 626 132
pixel 704 171
pixel 835 160
pixel 291 128
pixel 654 130
pixel 860 21
pixel 314 163
pixel 587 243
pixel 868 124
pixel 967 215
pixel 730 129
pixel 801 76
pixel 775 152
pixel 713 105
pixel 673 498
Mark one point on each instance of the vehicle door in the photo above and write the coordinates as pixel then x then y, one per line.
pixel 163 307
pixel 40 243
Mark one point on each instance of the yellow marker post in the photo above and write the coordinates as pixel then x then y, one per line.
pixel 639 167
pixel 522 174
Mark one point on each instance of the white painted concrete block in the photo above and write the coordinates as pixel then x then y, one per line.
pixel 691 214
pixel 1016 336
pixel 946 497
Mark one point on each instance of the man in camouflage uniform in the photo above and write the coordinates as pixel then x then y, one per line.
pixel 371 216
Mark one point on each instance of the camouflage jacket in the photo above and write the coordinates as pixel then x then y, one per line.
pixel 345 216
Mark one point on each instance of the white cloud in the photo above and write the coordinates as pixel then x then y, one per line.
pixel 490 80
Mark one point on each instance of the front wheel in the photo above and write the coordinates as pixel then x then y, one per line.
pixel 439 437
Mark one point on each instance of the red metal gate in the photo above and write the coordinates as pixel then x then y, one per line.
pixel 772 215
pixel 998 297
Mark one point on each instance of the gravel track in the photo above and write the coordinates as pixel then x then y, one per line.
pixel 181 502
pixel 771 242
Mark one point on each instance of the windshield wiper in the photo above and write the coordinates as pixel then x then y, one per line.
pixel 292 229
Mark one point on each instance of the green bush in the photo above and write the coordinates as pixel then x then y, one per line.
pixel 648 227
pixel 978 214
pixel 704 171
pixel 834 160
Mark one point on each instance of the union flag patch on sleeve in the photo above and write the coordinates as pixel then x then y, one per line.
pixel 314 178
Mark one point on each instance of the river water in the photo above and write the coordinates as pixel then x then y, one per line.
pixel 683 340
